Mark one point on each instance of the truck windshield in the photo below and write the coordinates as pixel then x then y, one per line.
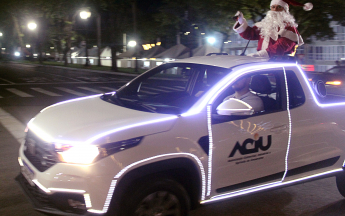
pixel 171 88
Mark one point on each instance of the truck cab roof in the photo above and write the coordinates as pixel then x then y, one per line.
pixel 225 61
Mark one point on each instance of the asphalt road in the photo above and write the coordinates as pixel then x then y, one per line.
pixel 24 91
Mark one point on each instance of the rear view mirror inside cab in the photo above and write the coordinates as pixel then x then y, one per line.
pixel 234 107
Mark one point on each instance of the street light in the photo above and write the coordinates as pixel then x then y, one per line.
pixel 32 26
pixel 132 43
pixel 211 40
pixel 0 45
pixel 85 14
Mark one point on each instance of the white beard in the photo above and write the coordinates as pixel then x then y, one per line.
pixel 274 23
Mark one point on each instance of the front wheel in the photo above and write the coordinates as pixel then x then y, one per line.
pixel 340 180
pixel 161 197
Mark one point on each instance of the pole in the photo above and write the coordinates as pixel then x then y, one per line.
pixel 0 48
pixel 86 51
pixel 99 38
pixel 134 10
pixel 124 38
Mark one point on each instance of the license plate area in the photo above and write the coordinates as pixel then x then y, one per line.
pixel 28 173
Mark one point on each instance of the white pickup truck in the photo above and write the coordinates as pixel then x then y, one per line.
pixel 167 141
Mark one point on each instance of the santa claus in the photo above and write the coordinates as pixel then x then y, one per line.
pixel 277 32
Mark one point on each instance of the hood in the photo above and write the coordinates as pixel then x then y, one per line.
pixel 93 120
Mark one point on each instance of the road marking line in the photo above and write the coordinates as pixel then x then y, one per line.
pixel 18 92
pixel 46 92
pixel 71 91
pixel 108 88
pixel 15 127
pixel 7 81
pixel 91 90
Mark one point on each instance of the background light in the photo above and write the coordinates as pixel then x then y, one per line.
pixel 0 34
pixel 211 40
pixel 32 26
pixel 28 46
pixel 132 43
pixel 17 53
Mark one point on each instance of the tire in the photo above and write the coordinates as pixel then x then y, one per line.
pixel 340 180
pixel 159 197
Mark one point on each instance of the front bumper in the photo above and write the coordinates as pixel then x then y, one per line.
pixel 57 203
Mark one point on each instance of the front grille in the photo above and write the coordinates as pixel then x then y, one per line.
pixel 56 204
pixel 37 196
pixel 42 155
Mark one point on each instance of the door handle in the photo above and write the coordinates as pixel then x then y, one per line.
pixel 279 128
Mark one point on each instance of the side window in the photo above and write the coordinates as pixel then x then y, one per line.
pixel 268 87
pixel 265 91
pixel 296 93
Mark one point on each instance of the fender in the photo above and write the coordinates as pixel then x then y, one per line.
pixel 186 170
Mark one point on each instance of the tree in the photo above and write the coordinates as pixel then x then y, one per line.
pixel 188 15
pixel 63 14
pixel 117 16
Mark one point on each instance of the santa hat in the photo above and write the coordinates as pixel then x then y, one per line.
pixel 285 3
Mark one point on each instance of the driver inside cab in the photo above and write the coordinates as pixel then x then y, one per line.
pixel 243 93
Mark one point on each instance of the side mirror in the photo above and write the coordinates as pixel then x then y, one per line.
pixel 320 88
pixel 234 107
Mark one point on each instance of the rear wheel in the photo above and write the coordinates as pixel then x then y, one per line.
pixel 161 197
pixel 340 179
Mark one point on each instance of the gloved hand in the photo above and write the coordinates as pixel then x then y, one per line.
pixel 240 17
pixel 261 53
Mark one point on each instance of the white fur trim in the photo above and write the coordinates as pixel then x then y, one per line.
pixel 265 43
pixel 308 6
pixel 261 53
pixel 280 2
pixel 242 27
pixel 293 37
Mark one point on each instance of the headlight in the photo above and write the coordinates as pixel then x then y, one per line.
pixel 81 154
pixel 336 83
pixel 86 153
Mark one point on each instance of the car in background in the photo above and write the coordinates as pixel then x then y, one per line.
pixel 334 80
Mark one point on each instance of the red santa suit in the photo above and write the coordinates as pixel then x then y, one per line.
pixel 276 44
pixel 276 41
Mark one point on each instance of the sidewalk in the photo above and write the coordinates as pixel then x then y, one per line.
pixel 72 69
